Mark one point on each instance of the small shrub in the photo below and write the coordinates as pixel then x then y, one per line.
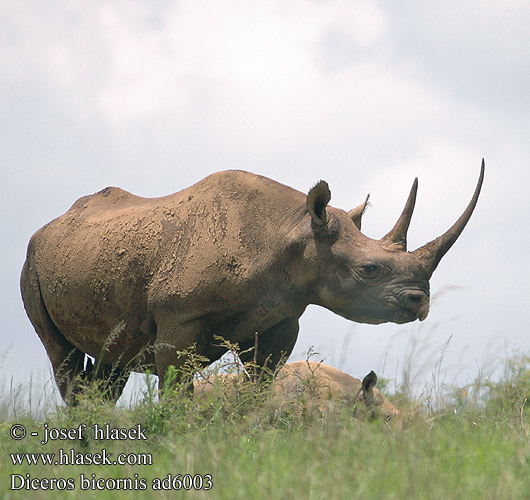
pixel 511 393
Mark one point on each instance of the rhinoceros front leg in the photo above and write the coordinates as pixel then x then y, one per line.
pixel 274 345
pixel 174 340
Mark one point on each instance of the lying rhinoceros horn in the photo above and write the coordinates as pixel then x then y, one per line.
pixel 431 253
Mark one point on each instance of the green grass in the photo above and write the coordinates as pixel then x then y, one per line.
pixel 469 447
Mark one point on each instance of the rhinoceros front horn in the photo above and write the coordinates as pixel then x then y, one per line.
pixel 431 253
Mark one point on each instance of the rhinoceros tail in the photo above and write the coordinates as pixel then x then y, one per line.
pixel 67 360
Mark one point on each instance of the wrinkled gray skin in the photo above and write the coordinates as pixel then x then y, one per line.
pixel 232 255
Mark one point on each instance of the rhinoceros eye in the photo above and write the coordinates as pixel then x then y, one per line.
pixel 370 269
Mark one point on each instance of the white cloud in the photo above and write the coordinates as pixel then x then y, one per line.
pixel 245 75
pixel 250 75
pixel 251 58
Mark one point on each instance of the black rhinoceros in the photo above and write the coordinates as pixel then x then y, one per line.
pixel 232 255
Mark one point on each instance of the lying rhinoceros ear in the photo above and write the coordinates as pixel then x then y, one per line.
pixel 369 381
pixel 317 200
pixel 368 385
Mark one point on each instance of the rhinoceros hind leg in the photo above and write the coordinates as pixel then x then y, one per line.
pixel 67 361
pixel 110 378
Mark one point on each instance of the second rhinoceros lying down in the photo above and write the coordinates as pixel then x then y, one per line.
pixel 314 387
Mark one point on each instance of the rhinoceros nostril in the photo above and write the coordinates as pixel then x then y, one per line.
pixel 414 300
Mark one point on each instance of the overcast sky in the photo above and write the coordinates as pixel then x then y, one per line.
pixel 153 96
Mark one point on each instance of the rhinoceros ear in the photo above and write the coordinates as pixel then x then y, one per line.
pixel 317 200
pixel 368 385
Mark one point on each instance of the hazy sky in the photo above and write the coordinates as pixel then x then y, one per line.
pixel 153 96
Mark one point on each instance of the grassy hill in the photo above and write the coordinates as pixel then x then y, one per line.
pixel 473 445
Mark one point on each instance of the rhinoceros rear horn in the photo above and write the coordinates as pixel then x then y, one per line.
pixel 356 213
pixel 396 239
pixel 431 253
pixel 317 200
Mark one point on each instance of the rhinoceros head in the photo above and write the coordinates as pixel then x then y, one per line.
pixel 367 280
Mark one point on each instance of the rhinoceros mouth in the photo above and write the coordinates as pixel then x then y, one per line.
pixel 424 311
pixel 406 315
pixel 398 315
pixel 414 304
